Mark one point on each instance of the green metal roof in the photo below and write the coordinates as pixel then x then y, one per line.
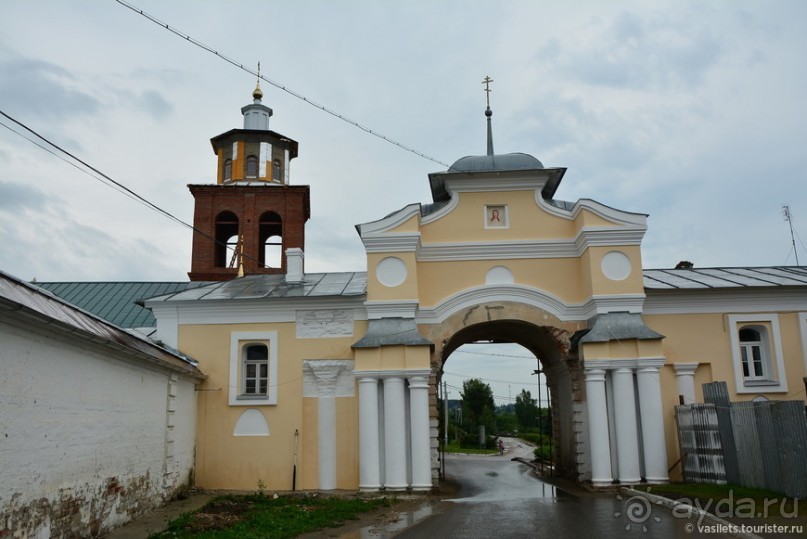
pixel 116 302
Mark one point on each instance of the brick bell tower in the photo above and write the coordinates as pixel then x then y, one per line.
pixel 252 218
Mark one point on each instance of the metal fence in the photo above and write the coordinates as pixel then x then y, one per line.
pixel 754 444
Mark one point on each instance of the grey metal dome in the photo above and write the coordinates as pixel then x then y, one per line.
pixel 507 161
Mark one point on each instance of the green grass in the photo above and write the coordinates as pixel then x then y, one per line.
pixel 710 493
pixel 453 447
pixel 256 516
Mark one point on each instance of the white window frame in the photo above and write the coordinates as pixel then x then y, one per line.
pixel 246 363
pixel 774 368
pixel 239 340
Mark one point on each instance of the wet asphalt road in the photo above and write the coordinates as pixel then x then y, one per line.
pixel 499 498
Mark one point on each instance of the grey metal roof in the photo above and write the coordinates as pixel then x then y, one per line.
pixel 618 326
pixel 706 278
pixel 39 306
pixel 275 286
pixel 117 302
pixel 507 161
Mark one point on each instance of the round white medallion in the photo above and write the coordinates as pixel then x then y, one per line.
pixel 616 265
pixel 391 271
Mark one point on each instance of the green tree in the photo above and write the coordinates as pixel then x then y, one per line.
pixel 478 407
pixel 526 410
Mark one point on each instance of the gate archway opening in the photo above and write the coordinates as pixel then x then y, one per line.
pixel 550 346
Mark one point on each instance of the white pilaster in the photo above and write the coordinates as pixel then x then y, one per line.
pixel 326 442
pixel 651 414
pixel 395 462
pixel 599 445
pixel 419 432
pixel 627 441
pixel 326 380
pixel 685 380
pixel 369 456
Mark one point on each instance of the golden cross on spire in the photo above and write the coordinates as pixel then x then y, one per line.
pixel 487 82
pixel 257 94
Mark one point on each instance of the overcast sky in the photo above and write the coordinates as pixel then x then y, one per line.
pixel 691 112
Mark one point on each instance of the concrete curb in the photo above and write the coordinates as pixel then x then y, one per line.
pixel 692 510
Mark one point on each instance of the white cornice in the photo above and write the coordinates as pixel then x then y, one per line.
pixel 391 309
pixel 392 242
pixel 389 222
pixel 739 300
pixel 534 297
pixel 494 183
pixel 608 213
pixel 252 311
pixel 520 249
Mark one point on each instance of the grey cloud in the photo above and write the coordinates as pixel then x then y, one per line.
pixel 15 197
pixel 640 54
pixel 42 89
pixel 155 104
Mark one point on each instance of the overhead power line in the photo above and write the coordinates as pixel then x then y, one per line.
pixel 103 178
pixel 298 95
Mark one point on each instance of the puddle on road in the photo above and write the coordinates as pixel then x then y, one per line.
pixel 389 528
pixel 543 491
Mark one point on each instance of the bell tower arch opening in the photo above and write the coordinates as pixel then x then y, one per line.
pixel 551 347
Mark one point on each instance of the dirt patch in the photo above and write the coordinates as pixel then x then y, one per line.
pixel 376 521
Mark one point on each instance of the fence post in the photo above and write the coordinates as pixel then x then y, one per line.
pixel 717 393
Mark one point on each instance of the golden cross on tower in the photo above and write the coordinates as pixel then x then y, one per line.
pixel 487 82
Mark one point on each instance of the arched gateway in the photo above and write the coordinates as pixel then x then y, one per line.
pixel 324 381
pixel 496 256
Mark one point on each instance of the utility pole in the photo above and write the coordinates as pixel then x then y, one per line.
pixel 789 219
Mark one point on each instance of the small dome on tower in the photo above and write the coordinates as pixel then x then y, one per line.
pixel 258 93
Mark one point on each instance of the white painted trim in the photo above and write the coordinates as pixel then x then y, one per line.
pixel 630 363
pixel 597 208
pixel 522 249
pixel 442 212
pixel 255 311
pixel 389 222
pixel 397 373
pixel 391 309
pixel 531 296
pixel 774 341
pixel 236 339
pixel 167 323
pixel 706 301
pixel 392 242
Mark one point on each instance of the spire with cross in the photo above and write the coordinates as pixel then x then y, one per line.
pixel 488 112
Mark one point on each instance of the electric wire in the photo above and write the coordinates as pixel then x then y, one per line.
pixel 298 95
pixel 105 179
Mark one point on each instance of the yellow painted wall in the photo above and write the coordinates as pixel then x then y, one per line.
pixel 224 461
pixel 466 222
pixel 705 339
pixel 379 292
pixel 393 358
pixel 558 276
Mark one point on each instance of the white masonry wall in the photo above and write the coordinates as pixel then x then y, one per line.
pixel 87 440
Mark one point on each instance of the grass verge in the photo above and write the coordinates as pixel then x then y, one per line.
pixel 258 516
pixel 454 447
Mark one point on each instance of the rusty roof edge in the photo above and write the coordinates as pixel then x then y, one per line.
pixel 191 363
